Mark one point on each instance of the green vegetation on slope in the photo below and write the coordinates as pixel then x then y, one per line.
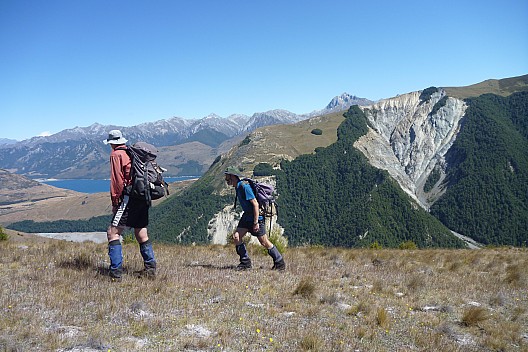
pixel 95 224
pixel 487 197
pixel 184 218
pixel 335 198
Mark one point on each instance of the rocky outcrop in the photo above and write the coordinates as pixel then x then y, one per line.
pixel 409 135
pixel 222 224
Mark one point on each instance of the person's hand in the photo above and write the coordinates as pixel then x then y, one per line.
pixel 114 209
pixel 256 227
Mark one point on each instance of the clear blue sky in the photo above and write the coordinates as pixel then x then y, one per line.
pixel 76 62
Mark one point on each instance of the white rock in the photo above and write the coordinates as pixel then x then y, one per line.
pixel 408 140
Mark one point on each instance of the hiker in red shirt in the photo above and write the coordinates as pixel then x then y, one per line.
pixel 128 212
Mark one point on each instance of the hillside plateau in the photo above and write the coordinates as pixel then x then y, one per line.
pixel 502 87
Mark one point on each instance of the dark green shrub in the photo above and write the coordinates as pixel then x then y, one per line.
pixel 317 132
pixel 426 94
pixel 245 141
pixel 218 158
pixel 432 179
pixel 375 245
pixel 263 169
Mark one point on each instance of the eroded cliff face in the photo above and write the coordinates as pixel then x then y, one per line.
pixel 222 224
pixel 410 135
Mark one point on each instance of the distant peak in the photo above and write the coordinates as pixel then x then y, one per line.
pixel 212 116
pixel 346 100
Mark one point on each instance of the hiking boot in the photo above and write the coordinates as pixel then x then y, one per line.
pixel 280 265
pixel 115 275
pixel 149 273
pixel 243 266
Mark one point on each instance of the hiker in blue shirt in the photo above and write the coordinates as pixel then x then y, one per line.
pixel 251 222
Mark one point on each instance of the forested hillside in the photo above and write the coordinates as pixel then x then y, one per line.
pixel 335 198
pixel 487 177
pixel 184 218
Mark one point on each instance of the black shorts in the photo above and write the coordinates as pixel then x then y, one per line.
pixel 131 213
pixel 244 224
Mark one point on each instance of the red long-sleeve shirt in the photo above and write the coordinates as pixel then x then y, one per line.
pixel 119 174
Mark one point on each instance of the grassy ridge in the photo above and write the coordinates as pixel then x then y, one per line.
pixel 56 297
pixel 502 87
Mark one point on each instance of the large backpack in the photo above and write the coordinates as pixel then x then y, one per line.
pixel 147 182
pixel 264 193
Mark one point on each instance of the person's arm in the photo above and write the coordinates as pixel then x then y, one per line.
pixel 255 205
pixel 116 179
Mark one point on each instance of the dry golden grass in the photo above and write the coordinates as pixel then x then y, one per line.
pixel 56 297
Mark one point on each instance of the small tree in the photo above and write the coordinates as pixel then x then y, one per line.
pixel 375 245
pixel 317 131
pixel 3 236
pixel 408 245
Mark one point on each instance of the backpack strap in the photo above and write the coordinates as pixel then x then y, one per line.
pixel 148 197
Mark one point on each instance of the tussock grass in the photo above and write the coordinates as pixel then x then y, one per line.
pixel 310 343
pixel 306 288
pixel 514 274
pixel 474 315
pixel 382 318
pixel 56 297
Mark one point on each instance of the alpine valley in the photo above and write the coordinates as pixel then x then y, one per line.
pixel 428 167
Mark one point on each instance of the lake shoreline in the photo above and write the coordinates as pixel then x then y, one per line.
pixel 96 237
pixel 90 186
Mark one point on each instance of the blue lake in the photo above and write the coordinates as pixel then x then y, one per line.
pixel 96 186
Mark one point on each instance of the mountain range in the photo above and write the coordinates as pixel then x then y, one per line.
pixel 187 147
pixel 424 166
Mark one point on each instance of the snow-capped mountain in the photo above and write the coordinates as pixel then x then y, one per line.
pixel 7 141
pixel 79 152
pixel 340 103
